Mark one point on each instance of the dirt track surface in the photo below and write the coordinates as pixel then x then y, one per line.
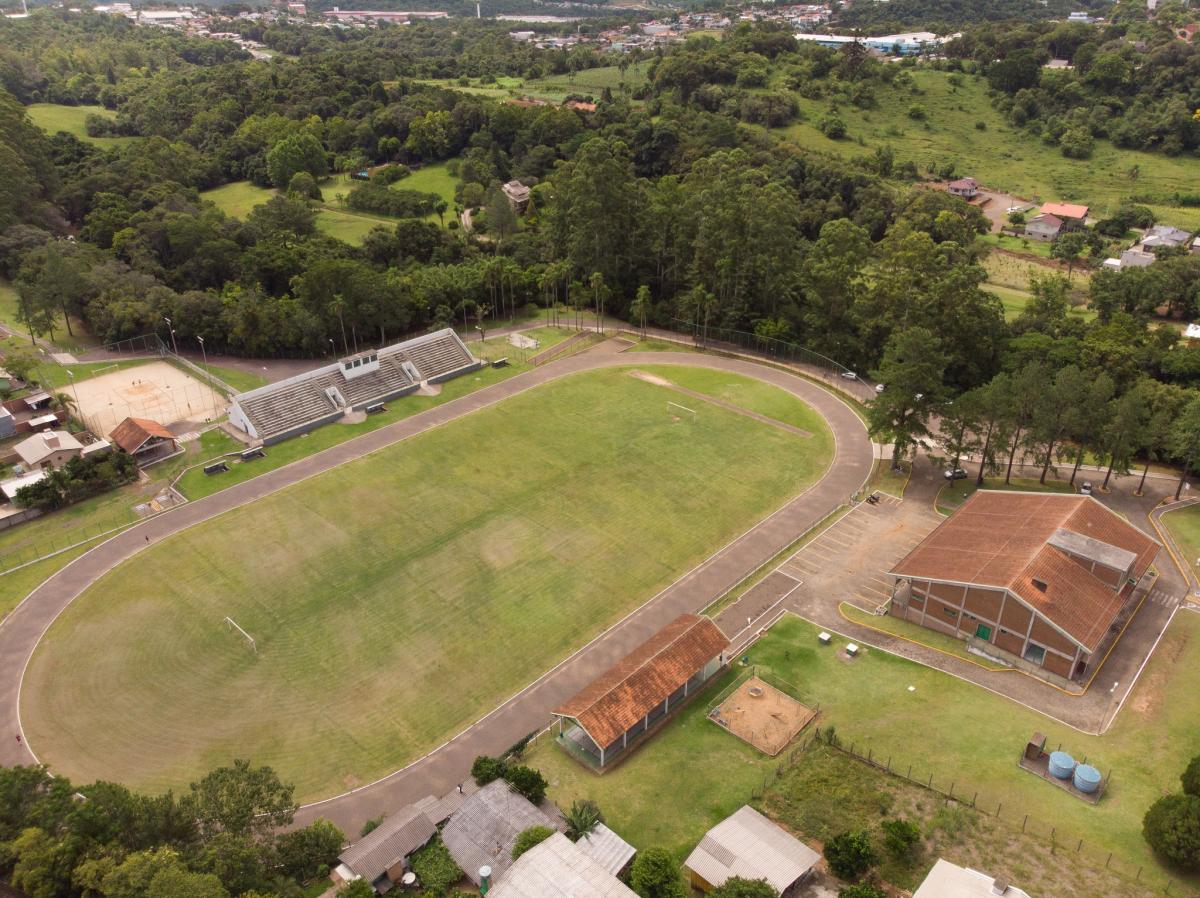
pixel 448 765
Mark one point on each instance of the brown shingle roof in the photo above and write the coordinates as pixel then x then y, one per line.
pixel 632 687
pixel 1065 210
pixel 999 539
pixel 132 432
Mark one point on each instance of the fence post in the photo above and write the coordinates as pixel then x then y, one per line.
pixel 909 776
pixel 998 807
pixel 1109 861
pixel 1026 820
pixel 973 797
pixel 952 791
pixel 889 766
pixel 870 754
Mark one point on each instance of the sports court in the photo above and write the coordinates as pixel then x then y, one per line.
pixel 758 713
pixel 157 390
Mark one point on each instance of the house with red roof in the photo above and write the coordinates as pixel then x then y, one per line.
pixel 1042 581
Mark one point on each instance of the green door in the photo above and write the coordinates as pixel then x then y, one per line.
pixel 984 632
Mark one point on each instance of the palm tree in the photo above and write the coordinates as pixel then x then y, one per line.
pixel 583 817
pixel 63 402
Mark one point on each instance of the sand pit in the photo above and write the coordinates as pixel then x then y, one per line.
pixel 760 714
pixel 156 390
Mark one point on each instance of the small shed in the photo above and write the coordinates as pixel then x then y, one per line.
pixel 557 868
pixel 947 880
pixel 748 845
pixel 482 832
pixel 1043 227
pixel 607 849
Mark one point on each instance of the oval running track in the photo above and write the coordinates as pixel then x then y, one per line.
pixel 443 768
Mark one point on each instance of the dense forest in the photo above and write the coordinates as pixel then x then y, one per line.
pixel 676 200
pixel 59 839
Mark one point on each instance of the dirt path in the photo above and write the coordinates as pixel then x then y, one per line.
pixel 446 766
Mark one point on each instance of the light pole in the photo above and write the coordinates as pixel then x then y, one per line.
pixel 171 328
pixel 332 348
pixel 212 389
pixel 74 391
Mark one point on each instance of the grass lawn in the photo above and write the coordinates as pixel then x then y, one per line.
pixel 1039 248
pixel 1184 525
pixel 952 495
pixel 1014 302
pixel 373 586
pixel 554 88
pixel 52 118
pixel 658 346
pixel 1018 272
pixel 1002 157
pixel 334 218
pixel 16 585
pixel 887 480
pixel 945 727
pixel 241 381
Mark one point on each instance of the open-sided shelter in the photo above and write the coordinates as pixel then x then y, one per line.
pixel 617 709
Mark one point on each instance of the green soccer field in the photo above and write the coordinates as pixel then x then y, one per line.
pixel 398 598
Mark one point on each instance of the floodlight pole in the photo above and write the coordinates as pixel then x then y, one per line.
pixel 171 328
pixel 211 388
pixel 74 390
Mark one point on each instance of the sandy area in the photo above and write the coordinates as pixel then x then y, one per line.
pixel 157 390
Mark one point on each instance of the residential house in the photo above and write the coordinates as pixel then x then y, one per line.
pixel 1043 226
pixel 947 880
pixel 482 832
pixel 558 868
pixel 967 188
pixel 8 424
pixel 49 449
pixel 518 195
pixel 1142 252
pixel 1041 581
pixel 749 845
pixel 1072 215
pixel 381 856
pixel 147 441
pixel 618 709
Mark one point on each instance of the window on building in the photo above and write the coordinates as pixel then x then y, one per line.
pixel 1034 654
pixel 950 612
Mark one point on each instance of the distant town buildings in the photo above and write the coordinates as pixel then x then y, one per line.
pixel 910 43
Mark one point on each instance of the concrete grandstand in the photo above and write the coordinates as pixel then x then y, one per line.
pixel 307 401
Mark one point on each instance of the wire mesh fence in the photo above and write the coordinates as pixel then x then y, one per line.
pixel 756 344
pixel 961 791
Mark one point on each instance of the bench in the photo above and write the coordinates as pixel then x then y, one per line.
pixel 500 363
pixel 253 453
pixel 216 468
pixel 375 408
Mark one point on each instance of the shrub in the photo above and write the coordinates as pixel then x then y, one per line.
pixel 370 826
pixel 528 782
pixel 486 769
pixel 303 852
pixel 435 867
pixel 918 112
pixel 1172 828
pixel 655 874
pixel 850 854
pixel 833 127
pixel 1191 777
pixel 383 200
pixel 862 890
pixel 900 837
pixel 528 838
pixel 981 126
pixel 737 887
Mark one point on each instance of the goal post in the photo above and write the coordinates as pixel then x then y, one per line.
pixel 675 410
pixel 233 625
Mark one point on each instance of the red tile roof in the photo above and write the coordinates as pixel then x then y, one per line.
pixel 1065 210
pixel 635 685
pixel 1000 539
pixel 131 433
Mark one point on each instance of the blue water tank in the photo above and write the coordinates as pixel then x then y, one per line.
pixel 1061 765
pixel 1087 778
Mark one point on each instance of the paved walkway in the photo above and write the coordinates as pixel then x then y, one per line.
pixel 529 710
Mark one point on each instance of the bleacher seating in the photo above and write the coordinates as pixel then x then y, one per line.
pixel 440 355
pixel 302 402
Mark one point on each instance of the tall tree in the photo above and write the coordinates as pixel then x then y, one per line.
pixel 1052 414
pixel 1127 420
pixel 1027 387
pixel 1184 438
pixel 912 369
